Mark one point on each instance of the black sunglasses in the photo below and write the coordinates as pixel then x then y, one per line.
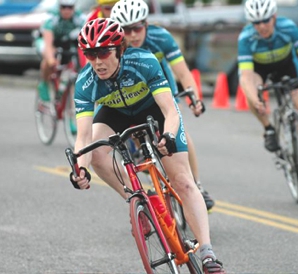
pixel 66 7
pixel 101 53
pixel 264 21
pixel 136 28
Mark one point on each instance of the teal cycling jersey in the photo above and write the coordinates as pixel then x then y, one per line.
pixel 64 30
pixel 277 53
pixel 162 44
pixel 140 78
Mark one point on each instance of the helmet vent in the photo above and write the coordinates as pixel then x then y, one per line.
pixel 104 38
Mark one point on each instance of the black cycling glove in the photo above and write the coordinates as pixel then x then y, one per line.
pixel 203 105
pixel 87 175
pixel 170 142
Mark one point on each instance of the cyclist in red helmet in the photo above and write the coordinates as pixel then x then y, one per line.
pixel 129 84
pixel 132 16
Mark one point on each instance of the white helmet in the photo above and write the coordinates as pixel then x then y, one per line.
pixel 257 10
pixel 128 12
pixel 67 2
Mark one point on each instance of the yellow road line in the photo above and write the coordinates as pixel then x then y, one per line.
pixel 251 214
pixel 257 219
pixel 257 212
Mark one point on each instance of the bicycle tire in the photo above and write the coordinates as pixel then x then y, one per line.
pixel 69 118
pixel 46 118
pixel 186 239
pixel 150 246
pixel 287 137
pixel 294 186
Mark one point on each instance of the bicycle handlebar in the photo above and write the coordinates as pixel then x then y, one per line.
pixel 190 94
pixel 113 140
pixel 286 83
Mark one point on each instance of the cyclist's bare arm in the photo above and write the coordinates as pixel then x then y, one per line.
pixel 84 138
pixel 249 81
pixel 166 104
pixel 49 53
pixel 186 79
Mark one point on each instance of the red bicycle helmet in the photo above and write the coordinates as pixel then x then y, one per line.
pixel 100 33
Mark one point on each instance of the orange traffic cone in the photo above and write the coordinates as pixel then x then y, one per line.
pixel 221 92
pixel 197 76
pixel 241 103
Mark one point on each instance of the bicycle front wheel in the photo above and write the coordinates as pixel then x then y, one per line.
pixel 152 251
pixel 45 118
pixel 70 125
pixel 288 141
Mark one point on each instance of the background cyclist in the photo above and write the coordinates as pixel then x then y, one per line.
pixel 268 45
pixel 59 30
pixel 102 10
pixel 130 84
pixel 132 15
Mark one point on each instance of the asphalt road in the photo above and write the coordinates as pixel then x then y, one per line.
pixel 46 226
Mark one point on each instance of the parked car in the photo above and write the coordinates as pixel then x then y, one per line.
pixel 16 6
pixel 17 51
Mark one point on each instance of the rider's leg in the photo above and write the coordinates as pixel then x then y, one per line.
pixel 295 98
pixel 250 84
pixel 102 160
pixel 179 173
pixel 43 86
pixel 193 161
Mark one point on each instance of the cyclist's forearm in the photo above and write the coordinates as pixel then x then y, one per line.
pixel 185 77
pixel 249 87
pixel 84 160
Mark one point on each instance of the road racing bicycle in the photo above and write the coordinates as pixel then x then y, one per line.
pixel 285 119
pixel 61 104
pixel 163 246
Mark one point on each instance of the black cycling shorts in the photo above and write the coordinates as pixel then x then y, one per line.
pixel 119 121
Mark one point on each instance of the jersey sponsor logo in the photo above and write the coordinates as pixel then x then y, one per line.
pixel 161 84
pixel 174 53
pixel 130 62
pixel 128 82
pixel 88 82
pixel 183 138
pixel 78 110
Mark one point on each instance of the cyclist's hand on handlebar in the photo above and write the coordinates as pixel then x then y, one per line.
pixel 167 144
pixel 82 181
pixel 260 106
pixel 198 109
pixel 52 62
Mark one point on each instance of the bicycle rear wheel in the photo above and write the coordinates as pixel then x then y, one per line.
pixel 288 141
pixel 46 118
pixel 152 251
pixel 70 125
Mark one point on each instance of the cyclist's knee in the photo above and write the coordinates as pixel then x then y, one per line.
pixel 99 156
